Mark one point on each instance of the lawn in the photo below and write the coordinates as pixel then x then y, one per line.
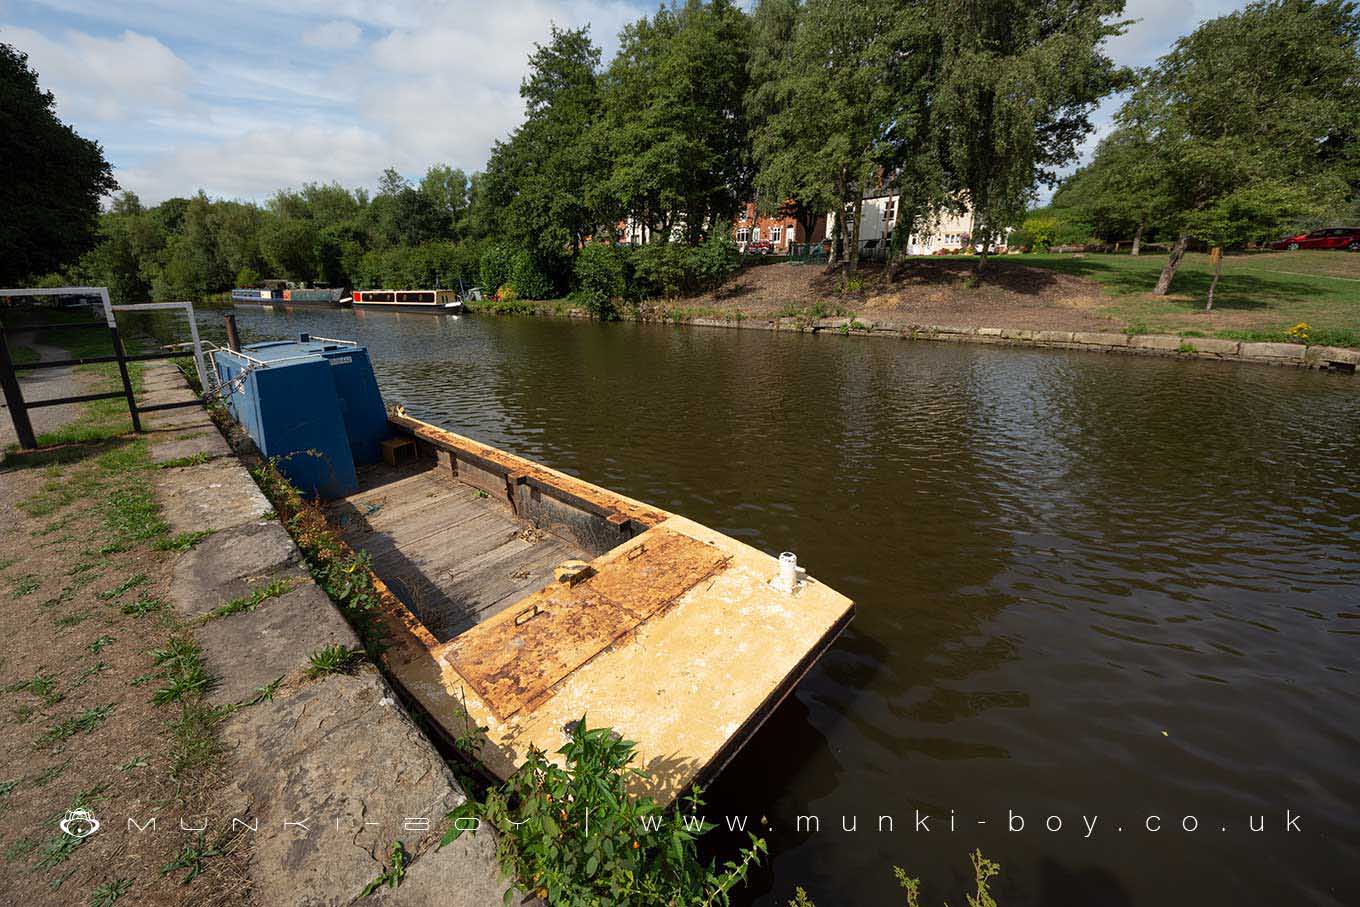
pixel 1260 296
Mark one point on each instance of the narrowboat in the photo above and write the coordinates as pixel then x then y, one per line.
pixel 289 297
pixel 439 302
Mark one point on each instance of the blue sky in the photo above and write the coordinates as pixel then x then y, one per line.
pixel 242 98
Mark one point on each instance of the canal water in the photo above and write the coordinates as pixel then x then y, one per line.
pixel 1106 593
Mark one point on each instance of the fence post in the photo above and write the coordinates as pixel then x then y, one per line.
pixel 127 382
pixel 233 339
pixel 14 397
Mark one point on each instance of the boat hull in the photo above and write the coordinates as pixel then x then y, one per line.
pixel 432 309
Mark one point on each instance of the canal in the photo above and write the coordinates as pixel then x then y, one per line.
pixel 1092 590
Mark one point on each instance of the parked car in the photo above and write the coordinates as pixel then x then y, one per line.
pixel 760 247
pixel 1327 238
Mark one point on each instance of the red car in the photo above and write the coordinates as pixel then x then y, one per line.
pixel 759 247
pixel 1328 238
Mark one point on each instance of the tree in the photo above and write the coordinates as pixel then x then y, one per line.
pixel 289 247
pixel 1013 94
pixel 826 140
pixel 1254 120
pixel 674 122
pixel 54 179
pixel 447 189
pixel 786 182
pixel 1119 192
pixel 540 186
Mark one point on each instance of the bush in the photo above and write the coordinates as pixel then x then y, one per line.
pixel 576 836
pixel 659 270
pixel 495 267
pixel 601 273
pixel 529 277
pixel 715 261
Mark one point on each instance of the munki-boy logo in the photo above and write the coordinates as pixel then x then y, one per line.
pixel 79 823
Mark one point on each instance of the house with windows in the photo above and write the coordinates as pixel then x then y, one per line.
pixel 947 232
pixel 779 230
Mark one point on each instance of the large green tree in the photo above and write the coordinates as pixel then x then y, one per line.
pixel 53 182
pixel 825 135
pixel 540 186
pixel 1254 120
pixel 675 120
pixel 1012 97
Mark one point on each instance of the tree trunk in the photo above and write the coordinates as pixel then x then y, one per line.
pixel 1138 238
pixel 982 255
pixel 1172 263
pixel 1217 256
pixel 854 238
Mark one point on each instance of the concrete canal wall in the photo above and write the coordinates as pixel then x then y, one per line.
pixel 1291 354
pixel 337 754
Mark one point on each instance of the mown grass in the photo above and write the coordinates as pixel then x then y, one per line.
pixel 1260 297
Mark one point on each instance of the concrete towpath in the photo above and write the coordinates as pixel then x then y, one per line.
pixel 332 771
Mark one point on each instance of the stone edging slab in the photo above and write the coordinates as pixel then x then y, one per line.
pixel 1341 359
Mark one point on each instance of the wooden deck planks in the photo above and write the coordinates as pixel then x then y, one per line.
pixel 452 555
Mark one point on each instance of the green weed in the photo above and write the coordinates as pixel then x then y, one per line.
pixel 251 600
pixel 109 892
pixel 191 858
pixel 334 659
pixel 392 876
pixel 183 541
pixel 83 723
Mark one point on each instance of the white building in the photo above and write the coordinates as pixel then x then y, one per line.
pixel 946 232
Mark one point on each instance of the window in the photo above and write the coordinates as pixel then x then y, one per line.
pixel 755 235
pixel 744 234
pixel 774 234
pixel 890 210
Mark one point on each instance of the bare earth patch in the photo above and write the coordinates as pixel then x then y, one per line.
pixel 920 291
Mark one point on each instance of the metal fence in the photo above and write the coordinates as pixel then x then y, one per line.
pixel 9 369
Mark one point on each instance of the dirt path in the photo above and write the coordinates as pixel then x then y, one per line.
pixel 86 721
pixel 44 384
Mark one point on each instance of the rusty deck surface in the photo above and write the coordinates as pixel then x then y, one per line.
pixel 516 658
pixel 454 555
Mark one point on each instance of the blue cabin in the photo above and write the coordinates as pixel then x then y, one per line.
pixel 312 404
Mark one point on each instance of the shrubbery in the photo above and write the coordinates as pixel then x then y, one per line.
pixel 601 272
pixel 577 836
pixel 495 267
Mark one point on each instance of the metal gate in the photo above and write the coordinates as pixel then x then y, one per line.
pixel 14 397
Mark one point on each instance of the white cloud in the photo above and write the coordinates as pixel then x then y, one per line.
pixel 106 78
pixel 335 35
pixel 253 163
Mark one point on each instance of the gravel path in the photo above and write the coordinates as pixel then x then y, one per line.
pixel 43 384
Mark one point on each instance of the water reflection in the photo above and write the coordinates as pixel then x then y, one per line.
pixel 1087 585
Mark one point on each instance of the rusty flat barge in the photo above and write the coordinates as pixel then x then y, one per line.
pixel 524 599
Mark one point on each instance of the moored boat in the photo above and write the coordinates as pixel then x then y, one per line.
pixel 440 302
pixel 515 599
pixel 319 296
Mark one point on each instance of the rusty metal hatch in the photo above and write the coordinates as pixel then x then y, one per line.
pixel 515 659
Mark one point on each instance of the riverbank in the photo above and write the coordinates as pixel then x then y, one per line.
pixel 1105 338
pixel 167 665
pixel 1263 297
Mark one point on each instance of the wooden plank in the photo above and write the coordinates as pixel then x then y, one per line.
pixel 439 550
pixel 515 658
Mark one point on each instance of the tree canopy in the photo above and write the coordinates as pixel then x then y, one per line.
pixel 54 179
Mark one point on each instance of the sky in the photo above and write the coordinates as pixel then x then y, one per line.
pixel 240 99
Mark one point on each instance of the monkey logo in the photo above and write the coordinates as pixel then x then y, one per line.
pixel 79 823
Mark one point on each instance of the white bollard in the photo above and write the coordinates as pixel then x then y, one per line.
pixel 787 579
